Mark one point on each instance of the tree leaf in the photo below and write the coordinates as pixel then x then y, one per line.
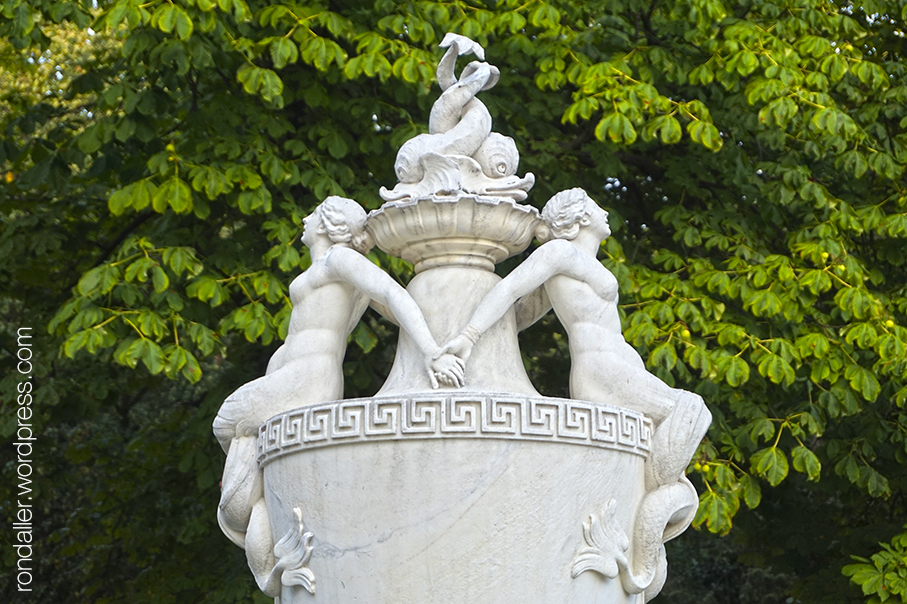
pixel 807 462
pixel 771 464
pixel 175 193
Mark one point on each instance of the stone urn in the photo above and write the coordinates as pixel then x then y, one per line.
pixel 458 482
pixel 487 493
pixel 452 498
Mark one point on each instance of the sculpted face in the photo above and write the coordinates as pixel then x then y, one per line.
pixel 598 218
pixel 310 226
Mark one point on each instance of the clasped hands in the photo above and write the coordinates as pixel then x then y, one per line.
pixel 448 365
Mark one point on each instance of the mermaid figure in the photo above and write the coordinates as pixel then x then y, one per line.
pixel 328 300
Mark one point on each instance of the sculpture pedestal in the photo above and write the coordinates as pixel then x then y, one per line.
pixel 454 498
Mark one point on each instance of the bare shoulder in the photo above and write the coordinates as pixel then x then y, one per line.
pixel 557 247
pixel 341 253
pixel 549 259
pixel 341 259
pixel 557 252
pixel 568 260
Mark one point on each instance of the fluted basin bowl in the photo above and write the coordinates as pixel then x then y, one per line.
pixel 457 230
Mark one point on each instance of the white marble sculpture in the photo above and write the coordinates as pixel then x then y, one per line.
pixel 564 274
pixel 328 300
pixel 458 482
pixel 460 152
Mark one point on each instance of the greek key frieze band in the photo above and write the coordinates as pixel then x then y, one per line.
pixel 511 417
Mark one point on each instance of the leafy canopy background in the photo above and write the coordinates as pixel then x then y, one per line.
pixel 157 158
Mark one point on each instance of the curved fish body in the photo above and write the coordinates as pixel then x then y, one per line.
pixel 458 125
pixel 460 152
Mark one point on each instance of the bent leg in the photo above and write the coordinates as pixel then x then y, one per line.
pixel 238 415
pixel 619 378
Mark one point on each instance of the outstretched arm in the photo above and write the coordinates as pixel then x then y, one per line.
pixel 525 280
pixel 550 259
pixel 532 307
pixel 385 312
pixel 354 268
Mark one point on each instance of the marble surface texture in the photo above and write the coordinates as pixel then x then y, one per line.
pixel 458 482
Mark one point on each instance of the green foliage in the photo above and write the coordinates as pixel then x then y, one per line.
pixel 883 577
pixel 751 153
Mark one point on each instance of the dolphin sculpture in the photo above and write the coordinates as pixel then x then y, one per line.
pixel 459 152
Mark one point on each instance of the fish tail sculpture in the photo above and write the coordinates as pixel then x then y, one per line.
pixel 458 124
pixel 640 564
pixel 476 160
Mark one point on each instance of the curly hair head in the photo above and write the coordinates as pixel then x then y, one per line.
pixel 563 214
pixel 344 221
